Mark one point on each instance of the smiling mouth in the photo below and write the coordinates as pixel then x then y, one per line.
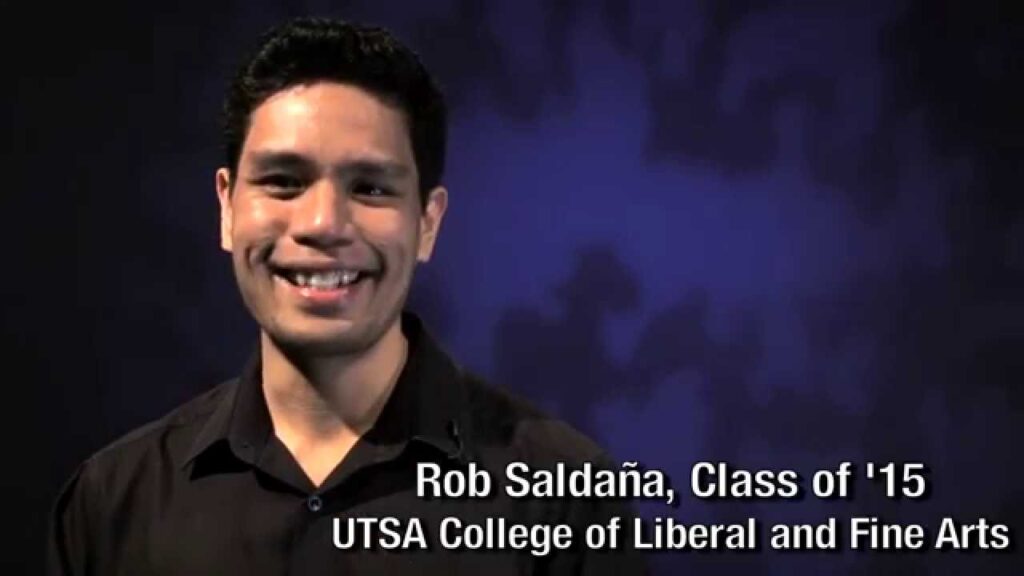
pixel 321 279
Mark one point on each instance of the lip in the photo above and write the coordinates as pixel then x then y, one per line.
pixel 315 266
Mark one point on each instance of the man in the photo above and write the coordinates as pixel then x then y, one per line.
pixel 331 194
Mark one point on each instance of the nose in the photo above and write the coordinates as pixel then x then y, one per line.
pixel 322 216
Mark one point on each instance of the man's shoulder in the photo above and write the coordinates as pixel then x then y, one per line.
pixel 111 476
pixel 501 418
pixel 168 436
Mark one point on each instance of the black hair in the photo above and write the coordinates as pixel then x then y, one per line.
pixel 307 50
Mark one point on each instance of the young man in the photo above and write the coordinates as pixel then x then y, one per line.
pixel 330 195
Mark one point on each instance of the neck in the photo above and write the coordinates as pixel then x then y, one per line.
pixel 319 399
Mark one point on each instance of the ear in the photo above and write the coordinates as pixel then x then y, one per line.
pixel 223 183
pixel 430 221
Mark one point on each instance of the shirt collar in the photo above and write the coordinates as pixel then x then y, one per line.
pixel 425 405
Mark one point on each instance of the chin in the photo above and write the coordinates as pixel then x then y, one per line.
pixel 335 341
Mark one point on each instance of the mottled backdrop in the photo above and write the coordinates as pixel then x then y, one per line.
pixel 782 234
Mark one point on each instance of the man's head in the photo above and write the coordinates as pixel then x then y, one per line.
pixel 335 140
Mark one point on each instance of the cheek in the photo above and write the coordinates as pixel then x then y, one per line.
pixel 257 223
pixel 392 230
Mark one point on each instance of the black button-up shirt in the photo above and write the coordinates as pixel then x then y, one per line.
pixel 209 489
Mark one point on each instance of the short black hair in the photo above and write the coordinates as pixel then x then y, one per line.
pixel 307 50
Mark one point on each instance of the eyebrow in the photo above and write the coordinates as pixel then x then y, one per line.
pixel 264 161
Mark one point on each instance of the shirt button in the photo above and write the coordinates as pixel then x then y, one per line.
pixel 314 503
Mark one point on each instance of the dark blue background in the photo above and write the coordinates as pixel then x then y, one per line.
pixel 782 234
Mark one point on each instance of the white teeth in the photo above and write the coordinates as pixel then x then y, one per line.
pixel 326 280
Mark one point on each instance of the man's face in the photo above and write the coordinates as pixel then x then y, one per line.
pixel 323 218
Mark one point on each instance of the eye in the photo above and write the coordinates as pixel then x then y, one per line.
pixel 281 184
pixel 371 190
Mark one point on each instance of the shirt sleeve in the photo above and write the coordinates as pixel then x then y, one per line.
pixel 72 525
